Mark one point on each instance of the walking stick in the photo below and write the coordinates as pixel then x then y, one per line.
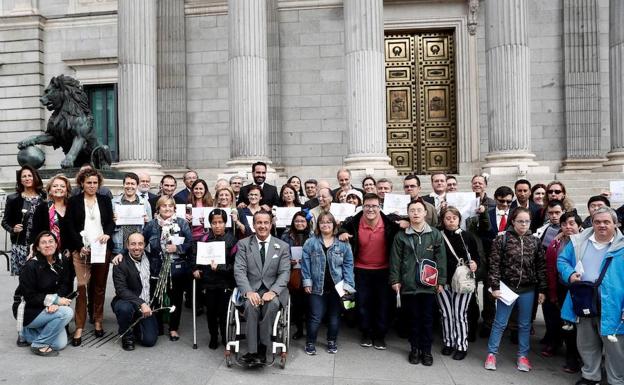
pixel 194 315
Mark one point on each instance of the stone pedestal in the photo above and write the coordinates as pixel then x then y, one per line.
pixel 509 104
pixel 616 86
pixel 364 73
pixel 248 84
pixel 138 132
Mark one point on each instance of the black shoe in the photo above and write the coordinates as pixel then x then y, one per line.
pixel 513 337
pixel 99 333
pixel 485 332
pixel 250 358
pixel 426 359
pixel 76 341
pixel 447 351
pixel 366 341
pixel 584 381
pixel 414 357
pixel 459 355
pixel 261 355
pixel 214 343
pixel 127 344
pixel 379 344
pixel 21 342
pixel 298 334
pixel 173 338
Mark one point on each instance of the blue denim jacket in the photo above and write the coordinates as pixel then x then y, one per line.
pixel 340 260
pixel 152 232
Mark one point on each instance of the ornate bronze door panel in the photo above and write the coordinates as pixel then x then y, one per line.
pixel 420 102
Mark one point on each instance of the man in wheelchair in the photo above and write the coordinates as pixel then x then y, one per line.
pixel 261 270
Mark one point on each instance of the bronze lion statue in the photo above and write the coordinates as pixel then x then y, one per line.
pixel 70 126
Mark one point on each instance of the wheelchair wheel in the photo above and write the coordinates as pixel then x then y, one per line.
pixel 230 330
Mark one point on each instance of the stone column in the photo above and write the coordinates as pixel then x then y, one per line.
pixel 509 104
pixel 248 84
pixel 582 85
pixel 616 85
pixel 364 73
pixel 171 70
pixel 138 133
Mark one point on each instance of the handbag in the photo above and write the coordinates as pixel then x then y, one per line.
pixel 295 281
pixel 427 270
pixel 463 280
pixel 180 268
pixel 585 295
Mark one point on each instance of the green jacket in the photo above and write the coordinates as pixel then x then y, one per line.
pixel 404 260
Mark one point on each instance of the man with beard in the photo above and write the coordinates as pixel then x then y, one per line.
pixel 270 197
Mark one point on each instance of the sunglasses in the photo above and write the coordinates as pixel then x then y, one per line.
pixel 554 191
pixel 503 201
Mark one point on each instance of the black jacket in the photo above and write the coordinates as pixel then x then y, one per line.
pixel 41 222
pixel 223 277
pixel 76 218
pixel 127 281
pixel 460 249
pixel 37 280
pixel 13 216
pixel 352 224
pixel 269 195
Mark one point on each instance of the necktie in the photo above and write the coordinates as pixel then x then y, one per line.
pixel 262 252
pixel 503 223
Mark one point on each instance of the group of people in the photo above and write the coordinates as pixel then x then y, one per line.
pixel 527 245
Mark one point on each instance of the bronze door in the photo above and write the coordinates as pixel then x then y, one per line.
pixel 420 102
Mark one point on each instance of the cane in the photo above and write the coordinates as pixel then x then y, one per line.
pixel 194 314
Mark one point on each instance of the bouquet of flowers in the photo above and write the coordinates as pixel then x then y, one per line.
pixel 169 230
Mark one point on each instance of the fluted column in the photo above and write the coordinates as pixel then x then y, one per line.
pixel 582 85
pixel 508 65
pixel 248 87
pixel 138 133
pixel 616 84
pixel 171 73
pixel 364 73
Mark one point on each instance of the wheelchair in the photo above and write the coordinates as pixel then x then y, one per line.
pixel 235 333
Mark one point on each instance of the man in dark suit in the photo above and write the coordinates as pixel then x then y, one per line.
pixel 145 184
pixel 438 196
pixel 522 188
pixel 168 184
pixel 262 271
pixel 270 197
pixel 344 180
pixel 189 178
pixel 131 278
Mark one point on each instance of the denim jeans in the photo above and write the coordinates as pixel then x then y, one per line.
pixel 145 332
pixel 525 310
pixel 328 303
pixel 49 328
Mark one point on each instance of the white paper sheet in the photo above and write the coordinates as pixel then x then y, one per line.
pixel 579 268
pixel 208 210
pixel 617 191
pixel 284 215
pixel 181 211
pixel 396 204
pixel 508 297
pixel 341 211
pixel 98 252
pixel 209 251
pixel 340 288
pixel 197 213
pixel 465 202
pixel 177 240
pixel 296 253
pixel 129 215
pixel 250 222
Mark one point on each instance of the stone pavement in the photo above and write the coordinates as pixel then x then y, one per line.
pixel 177 363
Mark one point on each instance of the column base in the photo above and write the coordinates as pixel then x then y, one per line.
pixel 152 168
pixel 378 166
pixel 519 164
pixel 615 162
pixel 571 165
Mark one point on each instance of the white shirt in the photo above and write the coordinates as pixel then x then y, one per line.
pixel 499 217
pixel 93 223
pixel 266 244
pixel 600 245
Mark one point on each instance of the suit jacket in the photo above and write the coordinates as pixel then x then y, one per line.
pixel 127 281
pixel 76 219
pixel 13 215
pixel 251 275
pixel 182 196
pixel 270 196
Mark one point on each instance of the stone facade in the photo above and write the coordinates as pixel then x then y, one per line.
pixel 310 117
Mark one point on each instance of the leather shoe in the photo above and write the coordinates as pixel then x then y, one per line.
pixel 127 344
pixel 414 357
pixel 21 342
pixel 459 355
pixel 250 359
pixel 214 343
pixel 76 341
pixel 99 333
pixel 447 351
pixel 426 359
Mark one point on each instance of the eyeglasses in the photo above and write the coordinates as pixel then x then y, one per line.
pixel 554 191
pixel 522 222
pixel 371 207
pixel 408 186
pixel 504 201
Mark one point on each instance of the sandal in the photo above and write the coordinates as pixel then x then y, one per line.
pixel 46 352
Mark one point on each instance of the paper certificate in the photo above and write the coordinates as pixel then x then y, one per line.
pixel 250 222
pixel 296 254
pixel 396 204
pixel 284 215
pixel 129 215
pixel 617 191
pixel 465 202
pixel 197 213
pixel 98 252
pixel 208 210
pixel 181 211
pixel 210 251
pixel 342 211
pixel 508 297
